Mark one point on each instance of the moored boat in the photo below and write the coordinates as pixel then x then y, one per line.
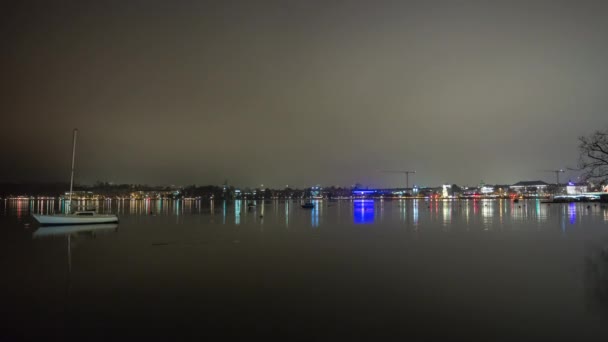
pixel 79 217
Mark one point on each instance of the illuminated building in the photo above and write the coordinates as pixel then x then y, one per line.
pixel 486 189
pixel 364 193
pixel 529 187
pixel 315 192
pixel 445 189
pixel 576 188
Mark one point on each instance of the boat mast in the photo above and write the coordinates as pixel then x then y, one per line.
pixel 72 173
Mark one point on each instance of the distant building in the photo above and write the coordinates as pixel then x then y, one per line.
pixel 529 187
pixel 316 192
pixel 362 193
pixel 486 189
pixel 576 188
pixel 501 189
pixel 427 192
pixel 467 191
pixel 80 195
pixel 445 190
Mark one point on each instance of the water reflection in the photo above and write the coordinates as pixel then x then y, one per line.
pixel 487 213
pixel 418 212
pixel 208 264
pixel 314 215
pixel 447 213
pixel 363 212
pixel 402 211
pixel 262 209
pixel 572 213
pixel 466 211
pixel 70 232
pixel 501 208
pixel 415 213
pixel 596 276
pixel 237 212
pixel 518 213
pixel 541 211
pixel 287 214
pixel 74 229
pixel 224 212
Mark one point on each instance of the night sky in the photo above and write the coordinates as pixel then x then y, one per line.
pixel 300 92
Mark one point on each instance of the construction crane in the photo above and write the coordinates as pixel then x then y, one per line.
pixel 557 172
pixel 407 176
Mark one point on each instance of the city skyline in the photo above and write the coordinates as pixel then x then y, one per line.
pixel 300 93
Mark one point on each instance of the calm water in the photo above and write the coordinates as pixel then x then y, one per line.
pixel 347 270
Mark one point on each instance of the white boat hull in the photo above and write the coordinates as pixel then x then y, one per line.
pixel 72 229
pixel 74 219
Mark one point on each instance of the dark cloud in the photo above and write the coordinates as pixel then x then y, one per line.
pixel 300 92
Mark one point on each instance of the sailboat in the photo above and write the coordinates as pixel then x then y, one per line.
pixel 77 217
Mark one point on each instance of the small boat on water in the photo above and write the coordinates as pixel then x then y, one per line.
pixel 78 217
pixel 308 205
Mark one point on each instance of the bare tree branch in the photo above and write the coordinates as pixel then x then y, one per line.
pixel 593 158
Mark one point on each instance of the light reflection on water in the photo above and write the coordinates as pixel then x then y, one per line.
pixel 287 214
pixel 237 212
pixel 495 258
pixel 447 213
pixel 415 213
pixel 363 212
pixel 402 211
pixel 488 214
pixel 572 213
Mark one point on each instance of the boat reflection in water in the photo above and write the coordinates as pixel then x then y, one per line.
pixel 74 229
pixel 89 230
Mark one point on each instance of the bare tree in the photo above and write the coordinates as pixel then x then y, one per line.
pixel 593 160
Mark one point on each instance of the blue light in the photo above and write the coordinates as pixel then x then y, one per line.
pixel 572 212
pixel 315 216
pixel 363 192
pixel 363 212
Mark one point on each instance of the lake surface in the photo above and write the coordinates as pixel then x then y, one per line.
pixel 346 270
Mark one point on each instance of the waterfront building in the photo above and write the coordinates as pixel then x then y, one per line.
pixel 530 187
pixel 486 190
pixel 576 188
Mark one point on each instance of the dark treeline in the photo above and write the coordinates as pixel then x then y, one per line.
pixel 228 192
pixel 59 188
pixel 204 191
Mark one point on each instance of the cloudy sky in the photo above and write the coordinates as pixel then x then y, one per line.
pixel 300 92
